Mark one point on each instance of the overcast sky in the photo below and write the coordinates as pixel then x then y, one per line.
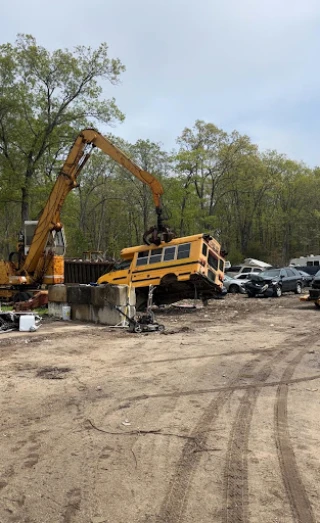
pixel 250 65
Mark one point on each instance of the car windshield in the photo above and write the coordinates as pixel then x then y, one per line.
pixel 304 273
pixel 317 274
pixel 274 273
pixel 227 278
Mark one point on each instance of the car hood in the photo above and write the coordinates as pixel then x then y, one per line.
pixel 260 280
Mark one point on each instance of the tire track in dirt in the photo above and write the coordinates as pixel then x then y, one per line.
pixel 297 495
pixel 173 505
pixel 198 392
pixel 201 357
pixel 236 468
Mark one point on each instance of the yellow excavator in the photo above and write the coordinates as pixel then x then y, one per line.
pixel 39 258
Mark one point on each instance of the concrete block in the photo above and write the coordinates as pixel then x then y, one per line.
pixel 98 295
pixel 107 316
pixel 79 294
pixel 113 295
pixel 94 304
pixel 55 309
pixel 104 315
pixel 111 316
pixel 116 294
pixel 57 293
pixel 81 312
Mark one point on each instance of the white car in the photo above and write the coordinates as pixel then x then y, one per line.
pixel 234 285
pixel 236 270
pixel 245 276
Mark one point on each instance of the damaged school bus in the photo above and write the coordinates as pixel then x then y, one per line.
pixel 187 267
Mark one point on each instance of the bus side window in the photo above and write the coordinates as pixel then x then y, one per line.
pixel 221 265
pixel 169 253
pixel 142 258
pixel 183 251
pixel 212 260
pixel 204 249
pixel 155 256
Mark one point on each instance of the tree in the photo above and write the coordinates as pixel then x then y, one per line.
pixel 151 158
pixel 45 98
pixel 198 159
pixel 208 159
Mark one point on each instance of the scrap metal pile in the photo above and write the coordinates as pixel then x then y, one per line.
pixel 11 321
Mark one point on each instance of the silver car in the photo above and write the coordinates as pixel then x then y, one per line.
pixel 234 285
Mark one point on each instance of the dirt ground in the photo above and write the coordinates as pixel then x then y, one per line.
pixel 215 420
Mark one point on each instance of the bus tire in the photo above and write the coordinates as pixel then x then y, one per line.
pixel 169 279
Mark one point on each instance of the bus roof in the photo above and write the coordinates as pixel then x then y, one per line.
pixel 128 252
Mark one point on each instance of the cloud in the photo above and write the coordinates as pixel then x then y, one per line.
pixel 245 64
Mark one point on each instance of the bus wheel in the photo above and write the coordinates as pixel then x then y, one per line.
pixel 168 279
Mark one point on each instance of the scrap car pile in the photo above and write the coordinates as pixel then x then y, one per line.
pixel 256 278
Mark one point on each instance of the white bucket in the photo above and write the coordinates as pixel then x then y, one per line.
pixel 66 312
pixel 27 323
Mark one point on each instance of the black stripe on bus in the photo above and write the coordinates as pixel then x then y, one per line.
pixel 144 279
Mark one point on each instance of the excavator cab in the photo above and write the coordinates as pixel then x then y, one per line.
pixel 56 241
pixel 50 267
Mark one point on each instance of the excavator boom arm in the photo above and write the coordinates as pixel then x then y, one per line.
pixel 66 181
pixel 111 150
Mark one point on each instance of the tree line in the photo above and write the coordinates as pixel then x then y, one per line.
pixel 255 203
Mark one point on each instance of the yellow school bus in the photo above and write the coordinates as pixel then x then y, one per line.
pixel 188 267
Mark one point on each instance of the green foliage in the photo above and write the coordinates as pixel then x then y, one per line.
pixel 256 204
pixel 45 98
